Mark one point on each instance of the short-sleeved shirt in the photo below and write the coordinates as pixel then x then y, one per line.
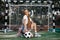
pixel 26 19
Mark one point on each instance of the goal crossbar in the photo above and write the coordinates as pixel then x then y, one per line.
pixel 30 5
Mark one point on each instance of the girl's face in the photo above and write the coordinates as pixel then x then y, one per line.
pixel 26 12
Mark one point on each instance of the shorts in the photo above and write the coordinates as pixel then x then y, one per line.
pixel 22 27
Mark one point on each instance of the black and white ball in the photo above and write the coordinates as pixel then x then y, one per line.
pixel 28 34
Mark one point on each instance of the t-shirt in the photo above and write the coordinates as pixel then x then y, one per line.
pixel 26 19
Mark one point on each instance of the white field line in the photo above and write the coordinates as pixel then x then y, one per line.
pixel 8 36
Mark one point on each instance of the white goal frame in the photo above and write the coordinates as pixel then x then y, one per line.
pixel 30 5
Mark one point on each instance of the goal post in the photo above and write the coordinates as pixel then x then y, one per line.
pixel 21 6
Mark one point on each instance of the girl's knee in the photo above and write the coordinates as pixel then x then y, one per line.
pixel 34 23
pixel 20 29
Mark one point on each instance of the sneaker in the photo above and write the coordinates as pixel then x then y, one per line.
pixel 37 35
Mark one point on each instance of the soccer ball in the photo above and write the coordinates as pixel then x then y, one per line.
pixel 28 34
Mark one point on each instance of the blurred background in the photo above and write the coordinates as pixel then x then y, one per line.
pixel 41 11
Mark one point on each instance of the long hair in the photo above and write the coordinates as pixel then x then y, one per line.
pixel 29 22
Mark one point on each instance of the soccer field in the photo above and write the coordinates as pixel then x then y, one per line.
pixel 45 36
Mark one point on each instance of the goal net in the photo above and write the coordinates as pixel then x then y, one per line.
pixel 40 14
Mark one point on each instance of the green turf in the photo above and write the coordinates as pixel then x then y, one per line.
pixel 45 36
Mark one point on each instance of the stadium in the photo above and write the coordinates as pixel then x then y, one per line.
pixel 45 13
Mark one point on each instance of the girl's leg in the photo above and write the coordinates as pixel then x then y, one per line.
pixel 34 27
pixel 19 32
